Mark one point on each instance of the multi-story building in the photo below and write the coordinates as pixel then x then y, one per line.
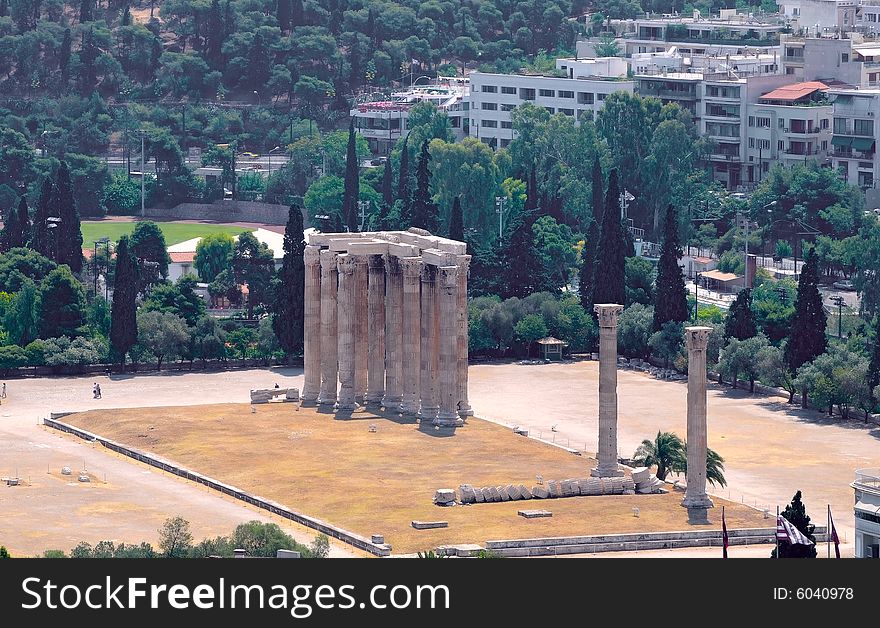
pixel 494 96
pixel 383 122
pixel 822 16
pixel 867 513
pixel 681 88
pixel 789 125
pixel 854 140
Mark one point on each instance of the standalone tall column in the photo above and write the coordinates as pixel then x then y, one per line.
pixel 312 325
pixel 361 335
pixel 607 467
pixel 329 340
pixel 448 389
pixel 347 329
pixel 411 348
pixel 393 334
pixel 376 331
pixel 464 406
pixel 697 338
pixel 429 362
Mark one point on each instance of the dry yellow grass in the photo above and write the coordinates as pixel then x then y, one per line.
pixel 377 483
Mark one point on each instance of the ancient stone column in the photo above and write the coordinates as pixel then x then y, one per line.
pixel 347 321
pixel 312 325
pixel 411 330
pixel 376 331
pixel 393 333
pixel 429 358
pixel 329 339
pixel 607 455
pixel 464 406
pixel 696 338
pixel 361 335
pixel 448 390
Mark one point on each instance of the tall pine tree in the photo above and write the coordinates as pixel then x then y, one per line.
pixel 591 245
pixel 11 236
pixel 807 338
pixel 214 35
pixel 670 302
pixel 283 14
pixel 403 185
pixel 388 185
pixel 64 56
pixel 740 322
pixel 123 316
pixel 70 238
pixel 24 221
pixel 524 271
pixel 424 212
pixel 352 183
pixel 456 221
pixel 288 308
pixel 611 257
pixel 874 365
pixel 42 237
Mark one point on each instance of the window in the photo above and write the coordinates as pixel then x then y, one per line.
pixel 490 89
pixel 546 93
pixel 550 109
pixel 780 145
pixel 751 142
pixel 506 124
pixel 825 145
pixel 601 97
pixel 751 121
pixel 526 93
pixel 762 123
pixel 866 179
pixel 781 123
pixel 565 94
pixel 866 164
pixel 844 57
pixel 489 124
pixel 568 112
pixel 823 123
pixel 505 143
pixel 840 126
pixel 763 144
pixel 718 91
pixel 585 98
pixel 508 90
pixel 728 111
pixel 490 106
pixel 507 107
pixel 863 127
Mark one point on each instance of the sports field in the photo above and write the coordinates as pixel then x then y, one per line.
pixel 174 231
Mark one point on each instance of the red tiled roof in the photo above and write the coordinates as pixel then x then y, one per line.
pixel 795 91
pixel 186 257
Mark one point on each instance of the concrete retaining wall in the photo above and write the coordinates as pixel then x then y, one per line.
pixel 224 211
pixel 227 489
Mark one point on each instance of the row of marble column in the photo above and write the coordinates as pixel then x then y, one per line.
pixel 386 331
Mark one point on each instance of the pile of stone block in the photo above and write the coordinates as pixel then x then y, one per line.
pixel 265 395
pixel 623 485
pixel 444 497
pixel 646 482
pixel 476 495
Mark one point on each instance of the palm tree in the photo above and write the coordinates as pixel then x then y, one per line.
pixel 666 451
pixel 714 467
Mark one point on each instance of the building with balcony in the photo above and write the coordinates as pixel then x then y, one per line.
pixel 493 97
pixel 789 125
pixel 383 122
pixel 681 88
pixel 854 138
pixel 867 513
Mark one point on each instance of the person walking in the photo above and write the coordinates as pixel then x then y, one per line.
pixel 3 392
pixel 97 391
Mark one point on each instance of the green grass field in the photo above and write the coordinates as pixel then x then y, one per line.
pixel 174 231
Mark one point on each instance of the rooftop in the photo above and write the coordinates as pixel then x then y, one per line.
pixel 795 91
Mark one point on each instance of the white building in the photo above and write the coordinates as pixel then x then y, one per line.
pixel 383 122
pixel 854 138
pixel 494 96
pixel 821 16
pixel 867 513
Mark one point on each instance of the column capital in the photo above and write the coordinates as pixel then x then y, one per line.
pixel 412 266
pixel 464 262
pixel 377 262
pixel 428 272
pixel 608 313
pixel 345 263
pixel 328 260
pixel 448 276
pixel 311 254
pixel 697 338
pixel 361 260
pixel 392 264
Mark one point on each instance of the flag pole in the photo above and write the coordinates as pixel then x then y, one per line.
pixel 828 530
pixel 776 536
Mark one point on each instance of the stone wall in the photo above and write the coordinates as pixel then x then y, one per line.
pixel 224 211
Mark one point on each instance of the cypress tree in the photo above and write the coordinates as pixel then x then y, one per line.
pixel 125 20
pixel 352 183
pixel 296 13
pixel 403 184
pixel 24 221
pixel 70 238
pixel 424 212
pixel 456 221
pixel 283 14
pixel 591 245
pixel 611 257
pixel 214 35
pixel 532 190
pixel 11 237
pixel 388 185
pixel 807 338
pixel 64 56
pixel 740 322
pixel 523 269
pixel 42 238
pixel 288 309
pixel 874 365
pixel 670 302
pixel 123 316
pixel 86 9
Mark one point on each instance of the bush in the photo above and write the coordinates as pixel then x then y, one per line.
pixel 63 351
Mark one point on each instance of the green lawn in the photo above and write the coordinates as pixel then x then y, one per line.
pixel 174 231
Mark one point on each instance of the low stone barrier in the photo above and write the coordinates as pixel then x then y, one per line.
pixel 468 494
pixel 265 395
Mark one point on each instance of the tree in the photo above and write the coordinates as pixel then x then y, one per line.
pixel 43 237
pixel 774 372
pixel 456 221
pixel 403 183
pixel 13 234
pixel 253 264
pixel 667 342
pixel 69 230
pixel 607 46
pixel 796 514
pixel 670 302
pixel 123 321
pixel 213 255
pixel 147 244
pixel 178 298
pixel 164 335
pixel 530 329
pixel 807 339
pixel 387 187
pixel 666 452
pixel 423 210
pixel 610 267
pixel 207 340
pixel 740 322
pixel 288 308
pixel 62 301
pixel 24 222
pixel 175 538
pixel 634 330
pixel 122 195
pixel 263 539
pixel 352 182
pixel 739 358
pixel 23 316
pixel 639 280
pixel 874 364
pixel 16 265
pixel 523 269
pixel 591 244
pixel 16 159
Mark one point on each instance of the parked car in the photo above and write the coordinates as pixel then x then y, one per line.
pixel 844 284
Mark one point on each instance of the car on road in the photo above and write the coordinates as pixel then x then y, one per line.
pixel 843 284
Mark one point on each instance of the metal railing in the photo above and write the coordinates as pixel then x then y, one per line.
pixel 869 478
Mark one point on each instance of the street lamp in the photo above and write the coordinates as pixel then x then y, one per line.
pixel 105 240
pixel 269 155
pixel 143 173
pixel 362 212
pixel 52 224
pixel 839 301
pixel 499 209
pixel 697 278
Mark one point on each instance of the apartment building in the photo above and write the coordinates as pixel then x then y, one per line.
pixel 682 88
pixel 493 97
pixel 854 140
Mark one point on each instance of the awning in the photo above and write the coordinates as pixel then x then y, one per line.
pixel 869 508
pixel 863 143
pixel 837 140
pixel 717 275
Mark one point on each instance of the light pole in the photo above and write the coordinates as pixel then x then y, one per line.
pixel 499 209
pixel 52 224
pixel 767 209
pixel 269 155
pixel 143 173
pixel 362 212
pixel 697 278
pixel 106 242
pixel 839 301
